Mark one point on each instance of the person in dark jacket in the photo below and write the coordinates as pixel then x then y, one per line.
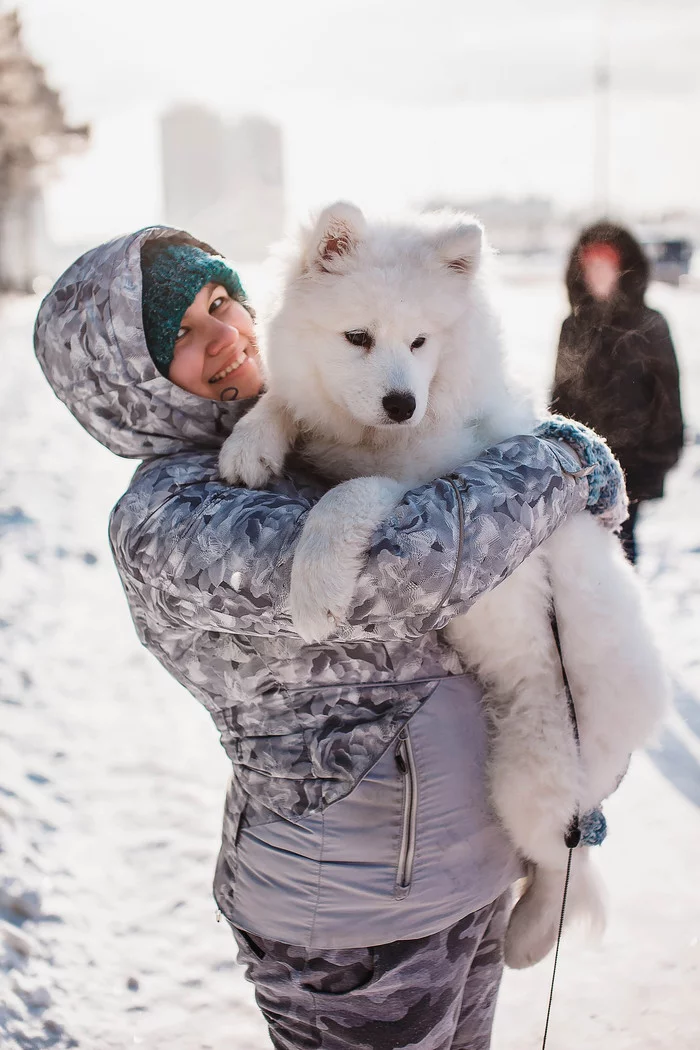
pixel 616 366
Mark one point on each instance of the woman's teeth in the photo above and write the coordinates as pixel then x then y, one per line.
pixel 236 363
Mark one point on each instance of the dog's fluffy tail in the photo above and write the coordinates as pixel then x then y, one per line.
pixel 534 923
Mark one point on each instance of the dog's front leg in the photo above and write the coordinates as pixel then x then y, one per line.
pixel 255 450
pixel 332 550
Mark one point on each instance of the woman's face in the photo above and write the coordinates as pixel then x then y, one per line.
pixel 601 270
pixel 216 355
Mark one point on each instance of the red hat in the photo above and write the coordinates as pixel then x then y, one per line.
pixel 599 251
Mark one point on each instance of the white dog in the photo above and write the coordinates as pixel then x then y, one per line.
pixel 384 358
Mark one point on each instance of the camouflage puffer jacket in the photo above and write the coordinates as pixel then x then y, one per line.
pixel 356 811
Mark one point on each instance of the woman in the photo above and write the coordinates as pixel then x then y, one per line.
pixel 616 366
pixel 361 867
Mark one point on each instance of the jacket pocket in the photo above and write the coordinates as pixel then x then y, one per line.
pixel 333 974
pixel 246 940
pixel 405 761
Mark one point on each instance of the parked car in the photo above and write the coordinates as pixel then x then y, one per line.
pixel 669 258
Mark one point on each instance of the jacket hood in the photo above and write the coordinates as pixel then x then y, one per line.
pixel 90 343
pixel 634 267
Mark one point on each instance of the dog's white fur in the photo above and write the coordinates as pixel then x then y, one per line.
pixel 424 278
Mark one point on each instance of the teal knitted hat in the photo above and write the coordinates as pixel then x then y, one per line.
pixel 172 275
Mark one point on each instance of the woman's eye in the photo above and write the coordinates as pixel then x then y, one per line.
pixel 360 338
pixel 418 343
pixel 181 333
pixel 216 303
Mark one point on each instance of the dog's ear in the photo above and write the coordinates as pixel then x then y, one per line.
pixel 459 247
pixel 338 231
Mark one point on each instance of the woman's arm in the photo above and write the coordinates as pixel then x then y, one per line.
pixel 664 434
pixel 564 371
pixel 219 558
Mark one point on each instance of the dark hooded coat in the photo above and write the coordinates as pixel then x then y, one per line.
pixel 616 367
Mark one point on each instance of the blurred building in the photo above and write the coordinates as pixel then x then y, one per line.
pixel 193 150
pixel 224 182
pixel 532 226
pixel 522 225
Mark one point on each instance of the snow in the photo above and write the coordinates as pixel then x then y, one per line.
pixel 112 779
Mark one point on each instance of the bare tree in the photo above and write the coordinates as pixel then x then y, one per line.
pixel 34 133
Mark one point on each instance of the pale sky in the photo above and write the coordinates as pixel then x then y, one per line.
pixel 386 102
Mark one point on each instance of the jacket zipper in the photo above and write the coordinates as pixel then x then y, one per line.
pixel 407 850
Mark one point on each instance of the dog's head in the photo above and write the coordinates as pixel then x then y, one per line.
pixel 370 311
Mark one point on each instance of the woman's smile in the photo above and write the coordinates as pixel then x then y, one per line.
pixel 239 358
pixel 217 339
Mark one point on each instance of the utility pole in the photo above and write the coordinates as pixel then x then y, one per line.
pixel 601 174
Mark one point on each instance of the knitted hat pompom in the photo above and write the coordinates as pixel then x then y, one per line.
pixel 172 275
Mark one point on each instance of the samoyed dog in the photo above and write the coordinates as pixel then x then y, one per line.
pixel 384 363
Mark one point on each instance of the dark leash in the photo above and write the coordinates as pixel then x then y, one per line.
pixel 573 832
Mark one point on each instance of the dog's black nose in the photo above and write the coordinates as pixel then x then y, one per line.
pixel 399 405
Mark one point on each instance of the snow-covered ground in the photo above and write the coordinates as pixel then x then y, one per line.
pixel 112 780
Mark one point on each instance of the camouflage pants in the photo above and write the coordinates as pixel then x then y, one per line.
pixel 434 993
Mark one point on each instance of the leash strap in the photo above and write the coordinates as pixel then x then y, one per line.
pixel 573 833
pixel 556 951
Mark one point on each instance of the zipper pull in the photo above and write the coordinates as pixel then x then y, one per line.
pixel 399 753
pixel 218 914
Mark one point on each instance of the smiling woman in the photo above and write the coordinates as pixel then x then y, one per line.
pixel 376 738
pixel 199 328
pixel 216 352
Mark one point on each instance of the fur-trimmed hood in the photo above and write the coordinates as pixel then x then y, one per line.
pixel 634 267
pixel 90 343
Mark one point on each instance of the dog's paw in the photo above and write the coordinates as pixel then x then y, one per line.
pixel 313 620
pixel 332 551
pixel 323 580
pixel 243 462
pixel 320 596
pixel 254 452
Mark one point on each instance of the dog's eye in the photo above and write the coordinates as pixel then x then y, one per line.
pixel 360 338
pixel 418 342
